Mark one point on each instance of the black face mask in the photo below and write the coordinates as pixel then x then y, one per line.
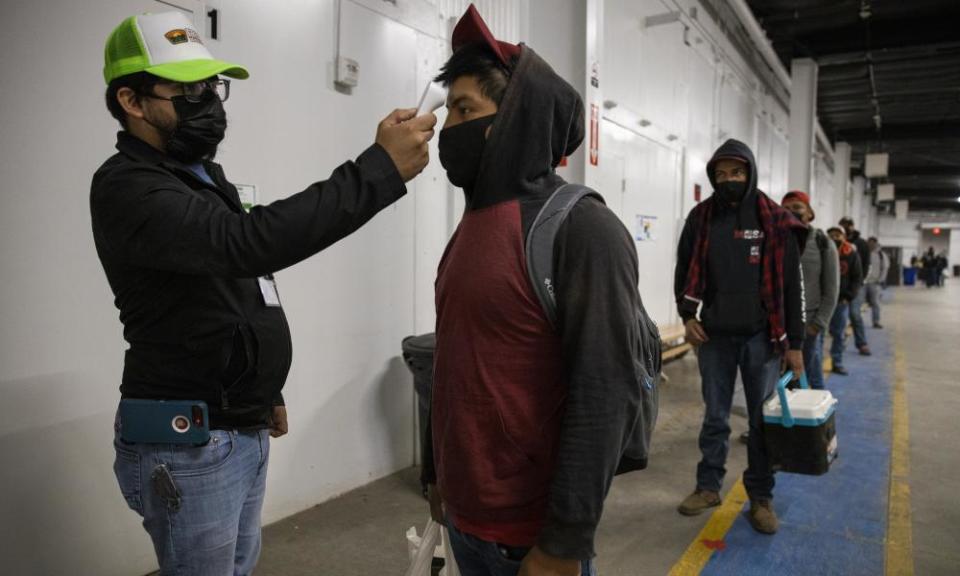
pixel 839 243
pixel 798 215
pixel 731 191
pixel 461 148
pixel 201 127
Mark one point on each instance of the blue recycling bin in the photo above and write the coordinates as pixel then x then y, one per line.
pixel 909 276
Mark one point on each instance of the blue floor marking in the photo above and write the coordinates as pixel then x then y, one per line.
pixel 835 523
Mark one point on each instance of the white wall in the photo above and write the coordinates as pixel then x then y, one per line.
pixel 823 194
pixel 860 207
pixel 903 233
pixel 557 32
pixel 350 397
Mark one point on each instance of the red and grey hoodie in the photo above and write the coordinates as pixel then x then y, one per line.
pixel 529 422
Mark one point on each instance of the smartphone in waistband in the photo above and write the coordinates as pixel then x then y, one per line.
pixel 164 421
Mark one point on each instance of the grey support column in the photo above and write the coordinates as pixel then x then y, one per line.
pixel 841 180
pixel 803 117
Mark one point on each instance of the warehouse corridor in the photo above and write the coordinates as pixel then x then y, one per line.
pixel 884 501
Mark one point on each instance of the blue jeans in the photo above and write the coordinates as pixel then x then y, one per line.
pixel 813 360
pixel 759 366
pixel 213 527
pixel 838 333
pixel 476 557
pixel 873 299
pixel 856 319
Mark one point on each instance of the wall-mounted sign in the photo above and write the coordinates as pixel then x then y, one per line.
pixel 646 228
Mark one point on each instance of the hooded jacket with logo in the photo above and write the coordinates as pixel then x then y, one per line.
pixel 732 303
pixel 529 422
pixel 183 260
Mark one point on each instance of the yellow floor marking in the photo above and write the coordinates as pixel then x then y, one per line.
pixel 899 545
pixel 700 550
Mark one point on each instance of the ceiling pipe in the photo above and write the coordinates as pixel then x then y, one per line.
pixel 765 48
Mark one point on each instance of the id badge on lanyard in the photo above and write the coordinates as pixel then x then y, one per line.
pixel 268 289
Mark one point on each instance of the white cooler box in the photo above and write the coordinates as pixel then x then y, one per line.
pixel 798 428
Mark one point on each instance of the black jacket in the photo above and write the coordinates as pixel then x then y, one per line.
pixel 863 250
pixel 851 272
pixel 182 258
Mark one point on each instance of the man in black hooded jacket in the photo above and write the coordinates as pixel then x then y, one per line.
pixel 529 422
pixel 192 276
pixel 738 262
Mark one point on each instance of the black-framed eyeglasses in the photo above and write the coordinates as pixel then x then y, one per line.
pixel 198 91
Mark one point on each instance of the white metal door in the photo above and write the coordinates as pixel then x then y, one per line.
pixel 641 181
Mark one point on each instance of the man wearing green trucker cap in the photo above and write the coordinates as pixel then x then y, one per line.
pixel 191 272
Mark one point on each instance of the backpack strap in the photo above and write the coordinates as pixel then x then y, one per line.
pixel 540 243
pixel 821 240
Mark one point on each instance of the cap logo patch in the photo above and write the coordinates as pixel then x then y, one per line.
pixel 183 35
pixel 176 36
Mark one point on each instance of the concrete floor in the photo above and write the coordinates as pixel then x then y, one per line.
pixel 927 332
pixel 362 532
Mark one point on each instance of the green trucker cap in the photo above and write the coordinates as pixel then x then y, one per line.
pixel 165 45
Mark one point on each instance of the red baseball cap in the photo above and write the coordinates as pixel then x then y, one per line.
pixel 471 29
pixel 801 196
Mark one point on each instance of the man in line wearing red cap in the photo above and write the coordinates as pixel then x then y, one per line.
pixel 821 285
pixel 529 420
pixel 192 275
pixel 738 264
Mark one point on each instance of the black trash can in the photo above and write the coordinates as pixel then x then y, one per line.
pixel 418 354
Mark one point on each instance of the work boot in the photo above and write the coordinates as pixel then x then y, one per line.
pixel 762 517
pixel 878 326
pixel 698 502
pixel 865 351
pixel 839 370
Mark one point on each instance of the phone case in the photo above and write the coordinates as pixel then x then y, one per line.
pixel 164 421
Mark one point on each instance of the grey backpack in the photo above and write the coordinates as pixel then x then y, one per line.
pixel 647 350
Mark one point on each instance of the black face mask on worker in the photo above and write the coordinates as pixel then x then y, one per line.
pixel 798 215
pixel 461 149
pixel 201 127
pixel 731 191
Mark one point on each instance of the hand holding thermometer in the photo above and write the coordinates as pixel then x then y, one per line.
pixel 434 96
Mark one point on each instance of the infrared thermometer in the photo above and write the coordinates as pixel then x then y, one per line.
pixel 434 96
